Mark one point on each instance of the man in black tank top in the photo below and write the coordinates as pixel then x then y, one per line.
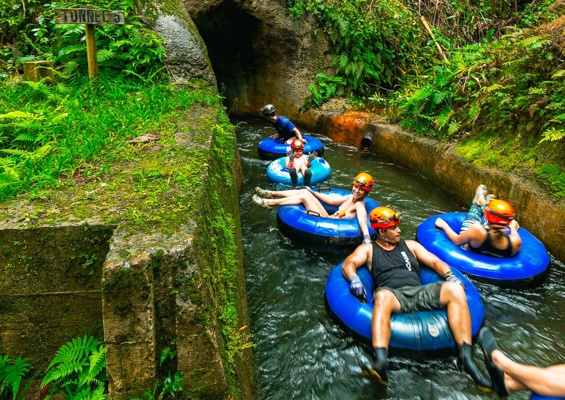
pixel 394 266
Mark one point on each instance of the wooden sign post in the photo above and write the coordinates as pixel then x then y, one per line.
pixel 89 17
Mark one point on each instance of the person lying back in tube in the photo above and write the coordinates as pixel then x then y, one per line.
pixel 350 206
pixel 489 227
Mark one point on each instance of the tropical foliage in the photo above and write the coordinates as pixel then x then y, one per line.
pixel 77 372
pixel 488 72
pixel 28 32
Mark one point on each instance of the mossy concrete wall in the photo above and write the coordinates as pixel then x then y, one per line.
pixel 537 211
pixel 145 257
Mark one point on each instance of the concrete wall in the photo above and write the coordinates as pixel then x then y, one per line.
pixel 139 265
pixel 536 210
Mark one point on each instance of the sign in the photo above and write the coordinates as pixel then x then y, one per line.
pixel 89 16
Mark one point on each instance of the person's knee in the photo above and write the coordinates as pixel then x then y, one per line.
pixel 384 299
pixel 453 291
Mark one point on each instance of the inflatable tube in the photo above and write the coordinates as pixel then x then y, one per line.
pixel 524 268
pixel 271 149
pixel 535 396
pixel 330 235
pixel 278 173
pixel 423 331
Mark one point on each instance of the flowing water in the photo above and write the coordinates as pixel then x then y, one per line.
pixel 301 353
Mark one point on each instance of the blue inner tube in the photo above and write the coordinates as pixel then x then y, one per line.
pixel 426 332
pixel 527 266
pixel 278 173
pixel 330 235
pixel 535 396
pixel 271 149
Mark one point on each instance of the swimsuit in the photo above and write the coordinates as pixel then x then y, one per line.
pixel 487 248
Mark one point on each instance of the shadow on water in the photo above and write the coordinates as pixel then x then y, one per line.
pixel 301 353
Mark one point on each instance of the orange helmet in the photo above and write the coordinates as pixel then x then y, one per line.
pixel 364 181
pixel 297 144
pixel 383 218
pixel 499 212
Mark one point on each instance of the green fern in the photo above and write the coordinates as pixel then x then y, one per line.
pixel 25 137
pixel 105 55
pixel 552 135
pixel 71 358
pixel 11 374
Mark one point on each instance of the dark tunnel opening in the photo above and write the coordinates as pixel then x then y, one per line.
pixel 230 34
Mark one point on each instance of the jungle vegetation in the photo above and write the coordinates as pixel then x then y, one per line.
pixel 487 75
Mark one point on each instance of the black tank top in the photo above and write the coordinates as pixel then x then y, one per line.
pixel 395 268
pixel 487 248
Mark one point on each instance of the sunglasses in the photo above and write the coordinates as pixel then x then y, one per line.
pixel 506 217
pixel 396 217
pixel 361 183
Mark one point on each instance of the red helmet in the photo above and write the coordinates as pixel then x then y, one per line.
pixel 297 144
pixel 499 212
pixel 364 181
pixel 383 218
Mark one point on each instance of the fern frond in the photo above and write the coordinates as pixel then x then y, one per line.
pixel 25 137
pixel 41 152
pixel 104 55
pixel 19 115
pixel 16 152
pixel 71 357
pixel 552 135
pixel 11 374
pixel 444 117
pixel 72 49
pixel 536 90
pixel 97 362
pixel 59 117
pixel 453 127
pixel 531 41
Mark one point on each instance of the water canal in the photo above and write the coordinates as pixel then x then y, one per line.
pixel 301 353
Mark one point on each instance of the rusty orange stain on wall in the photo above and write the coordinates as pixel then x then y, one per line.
pixel 349 128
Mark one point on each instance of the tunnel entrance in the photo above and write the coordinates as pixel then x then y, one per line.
pixel 230 35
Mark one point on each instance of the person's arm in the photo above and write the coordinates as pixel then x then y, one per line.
pixel 289 160
pixel 361 256
pixel 425 257
pixel 297 133
pixel 515 238
pixel 431 260
pixel 458 239
pixel 362 218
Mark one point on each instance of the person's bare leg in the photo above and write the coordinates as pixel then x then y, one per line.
pixel 452 295
pixel 518 377
pixel 385 304
pixel 285 193
pixel 301 196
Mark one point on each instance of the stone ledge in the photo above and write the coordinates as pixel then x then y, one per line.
pixel 439 162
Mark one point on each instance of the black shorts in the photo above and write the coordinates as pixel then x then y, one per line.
pixel 418 298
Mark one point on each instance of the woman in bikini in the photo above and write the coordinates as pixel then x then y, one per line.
pixel 489 227
pixel 350 206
